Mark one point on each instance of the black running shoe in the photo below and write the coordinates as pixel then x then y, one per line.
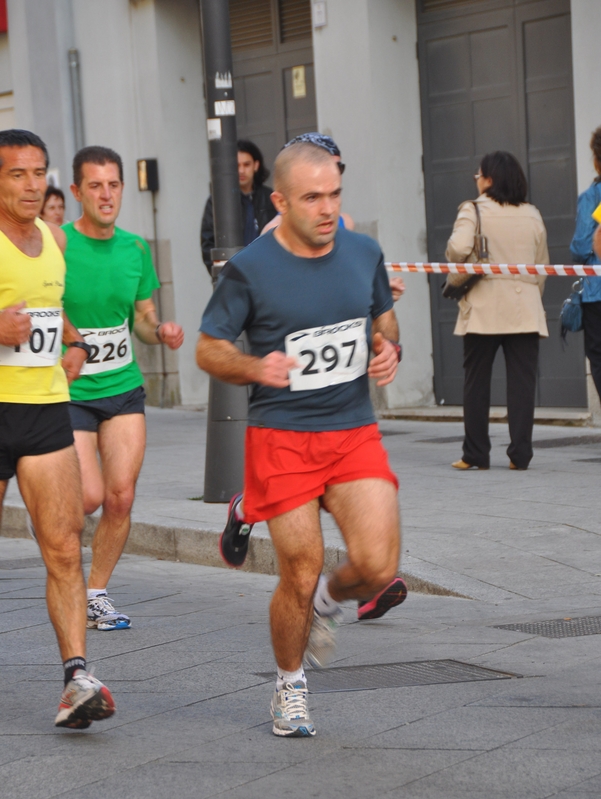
pixel 233 543
pixel 391 596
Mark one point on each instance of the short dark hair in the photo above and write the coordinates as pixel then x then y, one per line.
pixel 262 173
pixel 596 148
pixel 14 137
pixel 509 184
pixel 95 155
pixel 50 192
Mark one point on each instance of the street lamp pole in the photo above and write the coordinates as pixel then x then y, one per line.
pixel 228 405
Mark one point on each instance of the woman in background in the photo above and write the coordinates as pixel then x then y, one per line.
pixel 53 209
pixel 500 310
pixel 583 252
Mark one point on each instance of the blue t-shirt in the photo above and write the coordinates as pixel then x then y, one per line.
pixel 270 293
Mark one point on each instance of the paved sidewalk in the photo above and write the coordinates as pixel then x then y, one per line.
pixel 193 718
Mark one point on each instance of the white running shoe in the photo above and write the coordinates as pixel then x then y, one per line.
pixel 84 700
pixel 290 713
pixel 321 645
pixel 103 616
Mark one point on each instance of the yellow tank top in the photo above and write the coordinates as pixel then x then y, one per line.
pixel 40 283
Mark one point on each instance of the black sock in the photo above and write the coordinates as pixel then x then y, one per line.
pixel 70 666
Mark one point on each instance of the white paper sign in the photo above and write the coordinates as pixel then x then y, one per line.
pixel 45 339
pixel 328 355
pixel 111 348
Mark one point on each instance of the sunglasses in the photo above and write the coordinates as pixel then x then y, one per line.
pixel 478 175
pixel 341 167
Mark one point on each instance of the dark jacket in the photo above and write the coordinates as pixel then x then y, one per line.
pixel 264 213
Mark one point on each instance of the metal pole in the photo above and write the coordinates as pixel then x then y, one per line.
pixel 228 405
pixel 75 78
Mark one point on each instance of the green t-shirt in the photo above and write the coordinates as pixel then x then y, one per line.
pixel 104 280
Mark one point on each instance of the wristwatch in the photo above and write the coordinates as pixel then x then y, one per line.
pixel 399 349
pixel 82 345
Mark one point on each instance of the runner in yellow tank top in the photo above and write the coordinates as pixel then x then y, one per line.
pixel 36 439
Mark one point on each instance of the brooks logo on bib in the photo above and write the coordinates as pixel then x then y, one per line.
pixel 45 339
pixel 111 348
pixel 328 355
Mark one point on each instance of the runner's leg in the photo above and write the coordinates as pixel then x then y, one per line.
pixel 51 489
pixel 121 443
pixel 298 542
pixel 367 514
pixel 3 486
pixel 86 444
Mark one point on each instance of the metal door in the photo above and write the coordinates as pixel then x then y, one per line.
pixel 273 71
pixel 496 75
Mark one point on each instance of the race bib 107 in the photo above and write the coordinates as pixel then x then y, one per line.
pixel 111 348
pixel 45 339
pixel 328 355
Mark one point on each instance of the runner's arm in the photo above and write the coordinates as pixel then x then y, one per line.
pixel 222 359
pixel 59 236
pixel 149 330
pixel 383 366
pixel 74 357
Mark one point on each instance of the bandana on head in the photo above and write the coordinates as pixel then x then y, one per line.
pixel 319 139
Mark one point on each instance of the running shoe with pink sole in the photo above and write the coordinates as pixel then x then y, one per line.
pixel 389 597
pixel 84 700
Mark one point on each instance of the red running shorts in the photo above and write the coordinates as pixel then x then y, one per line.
pixel 285 469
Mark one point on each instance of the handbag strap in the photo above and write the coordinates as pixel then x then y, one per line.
pixel 478 230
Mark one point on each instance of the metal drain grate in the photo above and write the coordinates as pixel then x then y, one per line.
pixel 442 440
pixel 587 460
pixel 558 628
pixel 393 432
pixel 21 563
pixel 571 441
pixel 397 675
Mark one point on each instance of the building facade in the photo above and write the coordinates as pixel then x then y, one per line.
pixel 413 91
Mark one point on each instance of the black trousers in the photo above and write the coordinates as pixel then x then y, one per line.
pixel 521 360
pixel 591 318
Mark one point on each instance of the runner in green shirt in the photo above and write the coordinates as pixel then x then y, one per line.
pixel 108 289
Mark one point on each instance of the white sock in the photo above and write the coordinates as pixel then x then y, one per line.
pixel 322 601
pixel 94 592
pixel 239 512
pixel 289 677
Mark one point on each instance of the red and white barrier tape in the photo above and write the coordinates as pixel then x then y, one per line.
pixel 496 269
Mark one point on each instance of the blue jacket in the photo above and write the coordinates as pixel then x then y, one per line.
pixel 582 243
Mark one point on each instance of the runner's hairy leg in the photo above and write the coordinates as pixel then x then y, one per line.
pixel 367 514
pixel 297 539
pixel 51 489
pixel 121 443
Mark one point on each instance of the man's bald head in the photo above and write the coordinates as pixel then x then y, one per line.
pixel 300 153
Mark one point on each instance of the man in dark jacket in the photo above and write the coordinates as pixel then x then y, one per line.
pixel 257 208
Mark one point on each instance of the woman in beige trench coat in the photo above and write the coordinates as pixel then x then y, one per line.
pixel 500 310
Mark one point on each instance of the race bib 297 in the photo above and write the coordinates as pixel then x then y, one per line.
pixel 328 355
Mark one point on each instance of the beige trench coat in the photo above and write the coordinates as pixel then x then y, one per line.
pixel 501 304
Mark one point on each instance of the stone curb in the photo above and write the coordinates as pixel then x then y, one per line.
pixel 190 545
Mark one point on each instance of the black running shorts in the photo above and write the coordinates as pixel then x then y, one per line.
pixel 31 430
pixel 88 414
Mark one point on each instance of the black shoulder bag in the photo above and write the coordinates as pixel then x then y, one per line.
pixel 457 291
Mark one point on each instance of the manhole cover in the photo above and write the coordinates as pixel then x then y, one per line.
pixel 570 441
pixel 558 628
pixel 442 440
pixel 397 675
pixel 21 563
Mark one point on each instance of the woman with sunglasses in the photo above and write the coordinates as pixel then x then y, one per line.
pixel 500 310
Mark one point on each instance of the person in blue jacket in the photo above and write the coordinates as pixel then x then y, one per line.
pixel 583 253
